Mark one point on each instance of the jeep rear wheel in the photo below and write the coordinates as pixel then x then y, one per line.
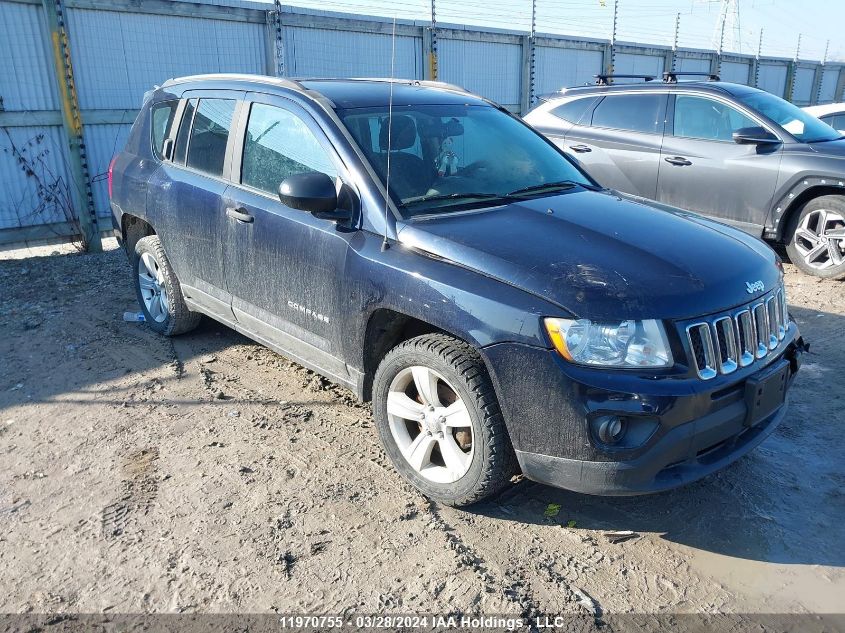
pixel 158 290
pixel 440 422
pixel 817 238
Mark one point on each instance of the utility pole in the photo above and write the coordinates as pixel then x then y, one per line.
pixel 432 44
pixel 278 40
pixel 675 40
pixel 818 77
pixel 611 52
pixel 80 185
pixel 533 42
pixel 755 74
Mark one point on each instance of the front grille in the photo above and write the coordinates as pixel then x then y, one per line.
pixel 725 342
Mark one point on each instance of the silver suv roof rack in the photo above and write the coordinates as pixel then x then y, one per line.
pixel 605 79
pixel 671 77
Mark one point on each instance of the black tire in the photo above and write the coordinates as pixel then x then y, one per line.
pixel 493 462
pixel 835 204
pixel 178 319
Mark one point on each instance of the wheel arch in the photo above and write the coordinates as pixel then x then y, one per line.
pixel 791 203
pixel 132 229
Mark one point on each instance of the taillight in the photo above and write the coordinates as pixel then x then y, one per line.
pixel 111 168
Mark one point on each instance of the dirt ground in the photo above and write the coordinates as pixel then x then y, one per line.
pixel 205 473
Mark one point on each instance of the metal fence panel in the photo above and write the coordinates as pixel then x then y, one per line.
pixel 557 68
pixel 772 78
pixel 636 64
pixel 103 141
pixel 802 90
pixel 26 77
pixel 313 52
pixel 692 65
pixel 118 55
pixel 491 69
pixel 26 187
pixel 827 91
pixel 735 72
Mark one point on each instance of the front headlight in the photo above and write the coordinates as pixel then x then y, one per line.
pixel 619 344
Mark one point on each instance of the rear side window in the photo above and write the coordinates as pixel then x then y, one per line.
pixel 836 121
pixel 633 112
pixel 162 119
pixel 574 110
pixel 707 119
pixel 279 144
pixel 209 134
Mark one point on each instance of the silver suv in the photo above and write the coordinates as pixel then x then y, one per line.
pixel 735 153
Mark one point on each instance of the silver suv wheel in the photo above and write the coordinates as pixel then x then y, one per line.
pixel 820 239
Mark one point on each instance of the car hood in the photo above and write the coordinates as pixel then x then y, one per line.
pixel 600 256
pixel 832 149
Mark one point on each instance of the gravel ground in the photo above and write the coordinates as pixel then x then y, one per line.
pixel 205 473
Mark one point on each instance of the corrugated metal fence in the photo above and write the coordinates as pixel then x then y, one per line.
pixel 120 48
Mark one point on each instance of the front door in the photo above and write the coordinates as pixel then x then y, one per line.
pixel 284 267
pixel 704 170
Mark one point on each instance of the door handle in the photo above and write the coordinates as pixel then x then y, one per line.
pixel 678 160
pixel 581 149
pixel 240 215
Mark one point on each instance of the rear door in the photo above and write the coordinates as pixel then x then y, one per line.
pixel 704 170
pixel 186 198
pixel 284 267
pixel 619 143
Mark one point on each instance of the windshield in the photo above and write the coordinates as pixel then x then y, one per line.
pixel 804 127
pixel 446 157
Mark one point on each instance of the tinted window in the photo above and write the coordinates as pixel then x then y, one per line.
pixel 698 117
pixel 278 144
pixel 575 109
pixel 162 117
pixel 209 133
pixel 836 121
pixel 451 156
pixel 637 113
pixel 184 132
pixel 802 125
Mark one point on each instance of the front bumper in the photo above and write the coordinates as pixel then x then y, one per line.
pixel 699 426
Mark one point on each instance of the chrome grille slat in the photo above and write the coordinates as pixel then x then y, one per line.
pixel 738 338
pixel 725 338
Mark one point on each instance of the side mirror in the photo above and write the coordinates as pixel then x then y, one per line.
pixel 313 192
pixel 755 135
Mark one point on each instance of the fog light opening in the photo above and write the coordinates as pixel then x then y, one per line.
pixel 611 429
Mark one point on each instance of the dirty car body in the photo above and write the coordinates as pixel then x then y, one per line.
pixel 502 270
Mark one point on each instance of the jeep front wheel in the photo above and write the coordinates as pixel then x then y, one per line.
pixel 440 422
pixel 817 238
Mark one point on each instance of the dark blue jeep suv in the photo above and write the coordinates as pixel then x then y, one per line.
pixel 428 250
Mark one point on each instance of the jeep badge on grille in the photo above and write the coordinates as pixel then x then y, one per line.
pixel 754 286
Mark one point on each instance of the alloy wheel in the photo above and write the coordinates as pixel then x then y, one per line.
pixel 430 424
pixel 820 239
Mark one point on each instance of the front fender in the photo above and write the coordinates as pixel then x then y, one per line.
pixel 793 194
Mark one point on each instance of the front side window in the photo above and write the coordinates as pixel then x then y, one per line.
pixel 632 112
pixel 444 157
pixel 162 118
pixel 573 111
pixel 209 134
pixel 707 119
pixel 279 144
pixel 803 126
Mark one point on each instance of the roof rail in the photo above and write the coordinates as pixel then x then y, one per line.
pixel 671 77
pixel 602 80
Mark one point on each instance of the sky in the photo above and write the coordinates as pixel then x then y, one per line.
pixel 643 21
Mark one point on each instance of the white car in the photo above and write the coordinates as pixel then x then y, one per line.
pixel 831 113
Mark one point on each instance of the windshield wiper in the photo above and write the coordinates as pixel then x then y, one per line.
pixel 450 196
pixel 561 185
